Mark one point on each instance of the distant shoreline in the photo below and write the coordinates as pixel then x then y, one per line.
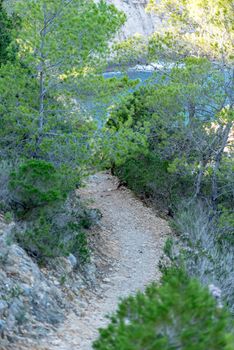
pixel 147 67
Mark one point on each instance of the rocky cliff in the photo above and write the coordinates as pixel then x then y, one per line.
pixel 138 21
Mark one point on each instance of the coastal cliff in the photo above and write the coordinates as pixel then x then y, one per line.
pixel 138 20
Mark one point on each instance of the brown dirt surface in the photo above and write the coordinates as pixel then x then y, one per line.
pixel 131 239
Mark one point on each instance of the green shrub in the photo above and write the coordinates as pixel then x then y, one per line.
pixel 42 239
pixel 79 244
pixel 178 315
pixel 148 176
pixel 56 231
pixel 7 24
pixel 8 217
pixel 203 250
pixel 133 106
pixel 226 225
pixel 168 247
pixel 35 183
pixel 6 168
pixel 142 172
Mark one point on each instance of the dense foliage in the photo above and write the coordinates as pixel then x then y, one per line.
pixel 184 120
pixel 179 315
pixel 36 183
pixel 8 24
pixel 185 112
pixel 170 139
pixel 55 232
pixel 47 136
pixel 187 157
pixel 197 27
pixel 205 247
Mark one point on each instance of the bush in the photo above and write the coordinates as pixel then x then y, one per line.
pixel 178 315
pixel 205 254
pixel 148 176
pixel 145 175
pixel 40 240
pixel 57 231
pixel 134 107
pixel 43 240
pixel 6 169
pixel 35 183
pixel 79 244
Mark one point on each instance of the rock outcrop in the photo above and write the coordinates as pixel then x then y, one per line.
pixel 138 21
pixel 33 300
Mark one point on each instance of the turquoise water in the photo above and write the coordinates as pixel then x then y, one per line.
pixel 98 111
pixel 132 74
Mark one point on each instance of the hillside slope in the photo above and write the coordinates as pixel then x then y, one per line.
pixel 132 236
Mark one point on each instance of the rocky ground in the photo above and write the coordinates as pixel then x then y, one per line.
pixel 35 300
pixel 139 22
pixel 128 244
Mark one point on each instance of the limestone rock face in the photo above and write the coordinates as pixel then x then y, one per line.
pixel 138 21
pixel 27 298
pixel 31 299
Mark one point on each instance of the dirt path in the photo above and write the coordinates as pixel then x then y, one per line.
pixel 134 237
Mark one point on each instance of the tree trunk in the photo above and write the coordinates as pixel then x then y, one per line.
pixel 42 71
pixel 41 99
pixel 217 161
pixel 199 178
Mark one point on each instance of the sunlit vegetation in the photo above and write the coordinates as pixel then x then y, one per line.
pixel 180 314
pixel 47 136
pixel 169 139
pixel 184 164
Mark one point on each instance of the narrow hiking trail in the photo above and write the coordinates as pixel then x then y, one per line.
pixel 133 236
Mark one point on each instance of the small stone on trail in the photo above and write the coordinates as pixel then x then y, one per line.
pixel 106 280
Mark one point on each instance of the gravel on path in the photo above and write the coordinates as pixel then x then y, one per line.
pixel 134 236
